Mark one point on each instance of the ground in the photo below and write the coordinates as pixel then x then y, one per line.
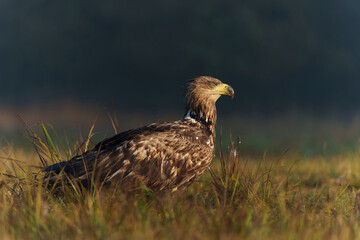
pixel 276 196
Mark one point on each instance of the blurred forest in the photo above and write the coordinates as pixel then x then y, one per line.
pixel 278 55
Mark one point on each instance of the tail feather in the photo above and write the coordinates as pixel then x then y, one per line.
pixel 56 168
pixel 79 167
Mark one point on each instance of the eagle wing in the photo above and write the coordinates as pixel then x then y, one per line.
pixel 162 156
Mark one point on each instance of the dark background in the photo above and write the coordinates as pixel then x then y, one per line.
pixel 279 55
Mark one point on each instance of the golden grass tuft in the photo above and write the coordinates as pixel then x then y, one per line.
pixel 281 196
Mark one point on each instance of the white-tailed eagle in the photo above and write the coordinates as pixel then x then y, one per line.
pixel 160 156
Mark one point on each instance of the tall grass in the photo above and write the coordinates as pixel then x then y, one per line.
pixel 270 197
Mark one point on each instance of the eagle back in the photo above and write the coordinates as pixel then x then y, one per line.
pixel 162 156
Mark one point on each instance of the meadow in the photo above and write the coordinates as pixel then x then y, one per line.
pixel 267 192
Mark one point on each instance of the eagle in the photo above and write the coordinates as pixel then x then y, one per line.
pixel 161 156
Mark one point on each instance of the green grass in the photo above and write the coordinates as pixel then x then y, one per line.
pixel 276 196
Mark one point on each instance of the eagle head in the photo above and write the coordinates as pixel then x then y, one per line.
pixel 201 96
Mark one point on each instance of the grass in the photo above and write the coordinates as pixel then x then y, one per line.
pixel 276 196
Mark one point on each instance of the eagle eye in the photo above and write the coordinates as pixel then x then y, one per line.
pixel 213 84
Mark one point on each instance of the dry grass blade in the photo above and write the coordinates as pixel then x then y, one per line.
pixel 89 136
pixel 29 129
pixel 113 123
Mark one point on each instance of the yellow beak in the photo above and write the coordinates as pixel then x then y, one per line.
pixel 224 89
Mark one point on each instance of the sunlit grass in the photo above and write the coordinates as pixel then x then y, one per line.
pixel 281 196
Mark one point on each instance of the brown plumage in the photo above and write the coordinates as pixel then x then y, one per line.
pixel 161 156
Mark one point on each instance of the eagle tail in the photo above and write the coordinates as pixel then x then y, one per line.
pixel 77 169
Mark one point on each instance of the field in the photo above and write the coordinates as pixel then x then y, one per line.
pixel 250 193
